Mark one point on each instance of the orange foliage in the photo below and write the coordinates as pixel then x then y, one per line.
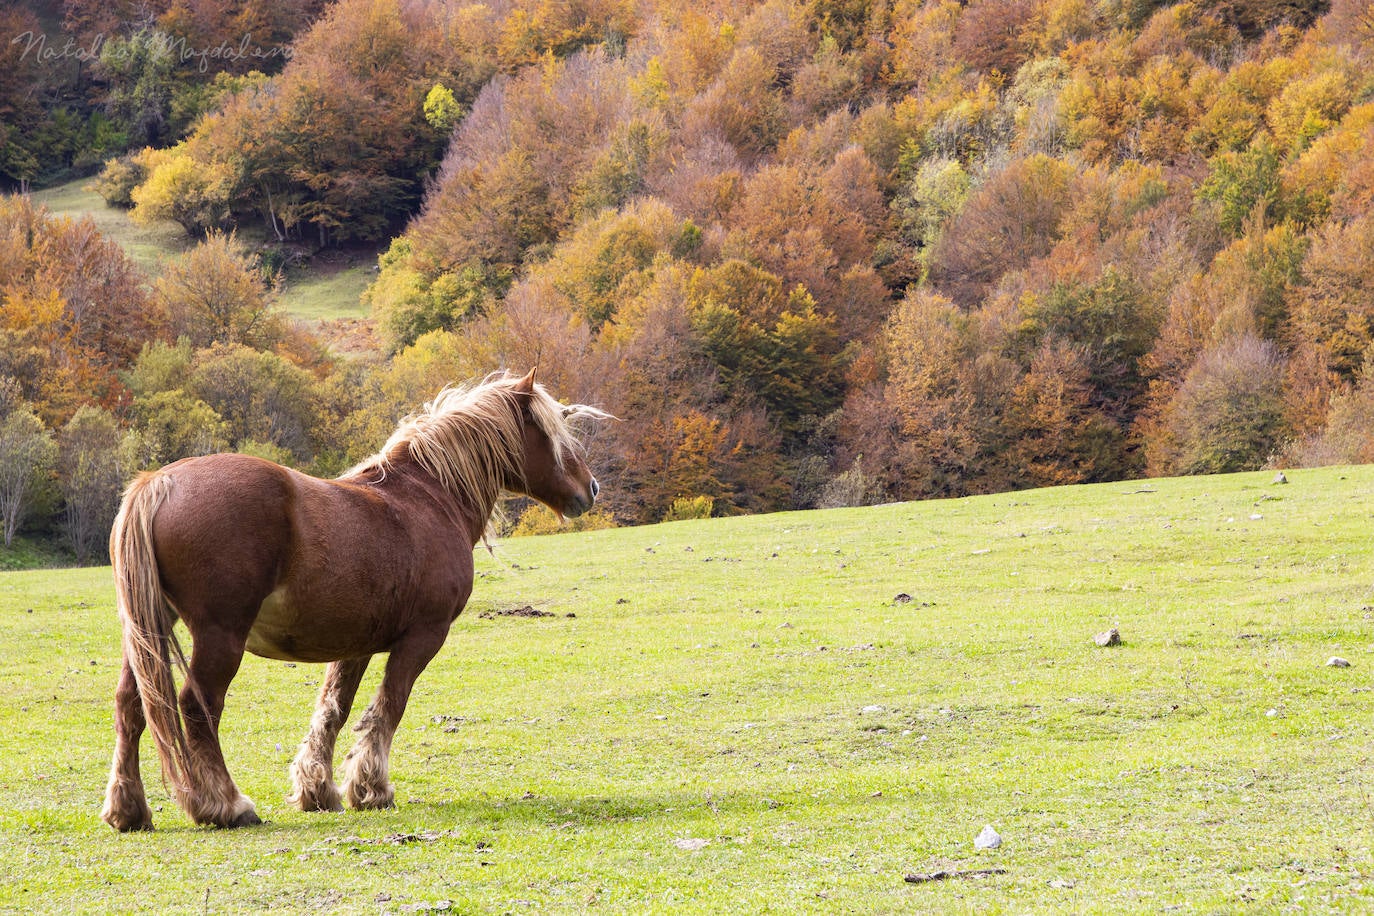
pixel 73 314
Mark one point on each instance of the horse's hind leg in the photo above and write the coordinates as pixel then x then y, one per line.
pixel 126 806
pixel 312 772
pixel 213 798
pixel 367 765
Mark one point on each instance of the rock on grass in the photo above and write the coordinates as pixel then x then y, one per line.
pixel 1111 637
pixel 987 839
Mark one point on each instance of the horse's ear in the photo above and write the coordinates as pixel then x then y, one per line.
pixel 526 384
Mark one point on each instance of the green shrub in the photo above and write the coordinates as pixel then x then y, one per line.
pixel 117 180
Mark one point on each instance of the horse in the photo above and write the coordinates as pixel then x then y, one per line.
pixel 255 557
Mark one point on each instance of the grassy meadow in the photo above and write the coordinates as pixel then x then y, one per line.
pixel 790 713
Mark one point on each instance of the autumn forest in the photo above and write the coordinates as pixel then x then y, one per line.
pixel 811 253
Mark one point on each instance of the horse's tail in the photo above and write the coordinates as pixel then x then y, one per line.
pixel 147 617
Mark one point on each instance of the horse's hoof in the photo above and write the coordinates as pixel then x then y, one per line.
pixel 128 823
pixel 327 799
pixel 333 808
pixel 248 818
pixel 374 800
pixel 375 804
pixel 130 826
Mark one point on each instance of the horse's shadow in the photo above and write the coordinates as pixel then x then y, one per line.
pixel 423 821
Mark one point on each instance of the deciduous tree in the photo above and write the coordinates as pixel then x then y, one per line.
pixel 27 456
pixel 217 293
pixel 91 472
pixel 1228 414
pixel 1007 222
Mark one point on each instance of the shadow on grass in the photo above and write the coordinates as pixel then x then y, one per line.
pixel 421 822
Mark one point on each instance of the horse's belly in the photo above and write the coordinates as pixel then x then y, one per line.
pixel 282 631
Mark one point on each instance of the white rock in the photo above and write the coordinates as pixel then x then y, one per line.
pixel 1111 637
pixel 988 839
pixel 691 844
pixel 869 710
pixel 1336 661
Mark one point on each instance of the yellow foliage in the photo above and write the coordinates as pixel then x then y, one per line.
pixel 922 40
pixel 1307 108
pixel 540 519
pixel 651 87
pixel 1310 180
pixel 182 188
pixel 1063 23
pixel 604 261
pixel 695 48
pixel 690 507
pixel 28 310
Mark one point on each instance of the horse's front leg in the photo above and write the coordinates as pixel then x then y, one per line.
pixel 312 772
pixel 367 765
pixel 212 797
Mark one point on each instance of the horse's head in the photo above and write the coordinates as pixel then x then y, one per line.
pixel 553 471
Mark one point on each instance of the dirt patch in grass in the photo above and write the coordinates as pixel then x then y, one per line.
pixel 526 611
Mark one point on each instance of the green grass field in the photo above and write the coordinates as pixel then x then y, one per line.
pixel 743 715
pixel 316 292
pixel 146 246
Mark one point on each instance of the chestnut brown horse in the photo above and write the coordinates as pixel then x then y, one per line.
pixel 251 556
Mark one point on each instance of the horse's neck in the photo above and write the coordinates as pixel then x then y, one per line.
pixel 407 479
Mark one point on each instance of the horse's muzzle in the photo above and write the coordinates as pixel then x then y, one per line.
pixel 583 504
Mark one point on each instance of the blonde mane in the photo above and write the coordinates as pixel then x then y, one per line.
pixel 469 437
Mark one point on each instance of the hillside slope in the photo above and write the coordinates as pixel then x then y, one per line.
pixel 320 291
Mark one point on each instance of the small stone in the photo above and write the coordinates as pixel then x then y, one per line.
pixel 691 844
pixel 1111 637
pixel 987 839
pixel 869 710
pixel 1336 661
pixel 1280 477
pixel 902 598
